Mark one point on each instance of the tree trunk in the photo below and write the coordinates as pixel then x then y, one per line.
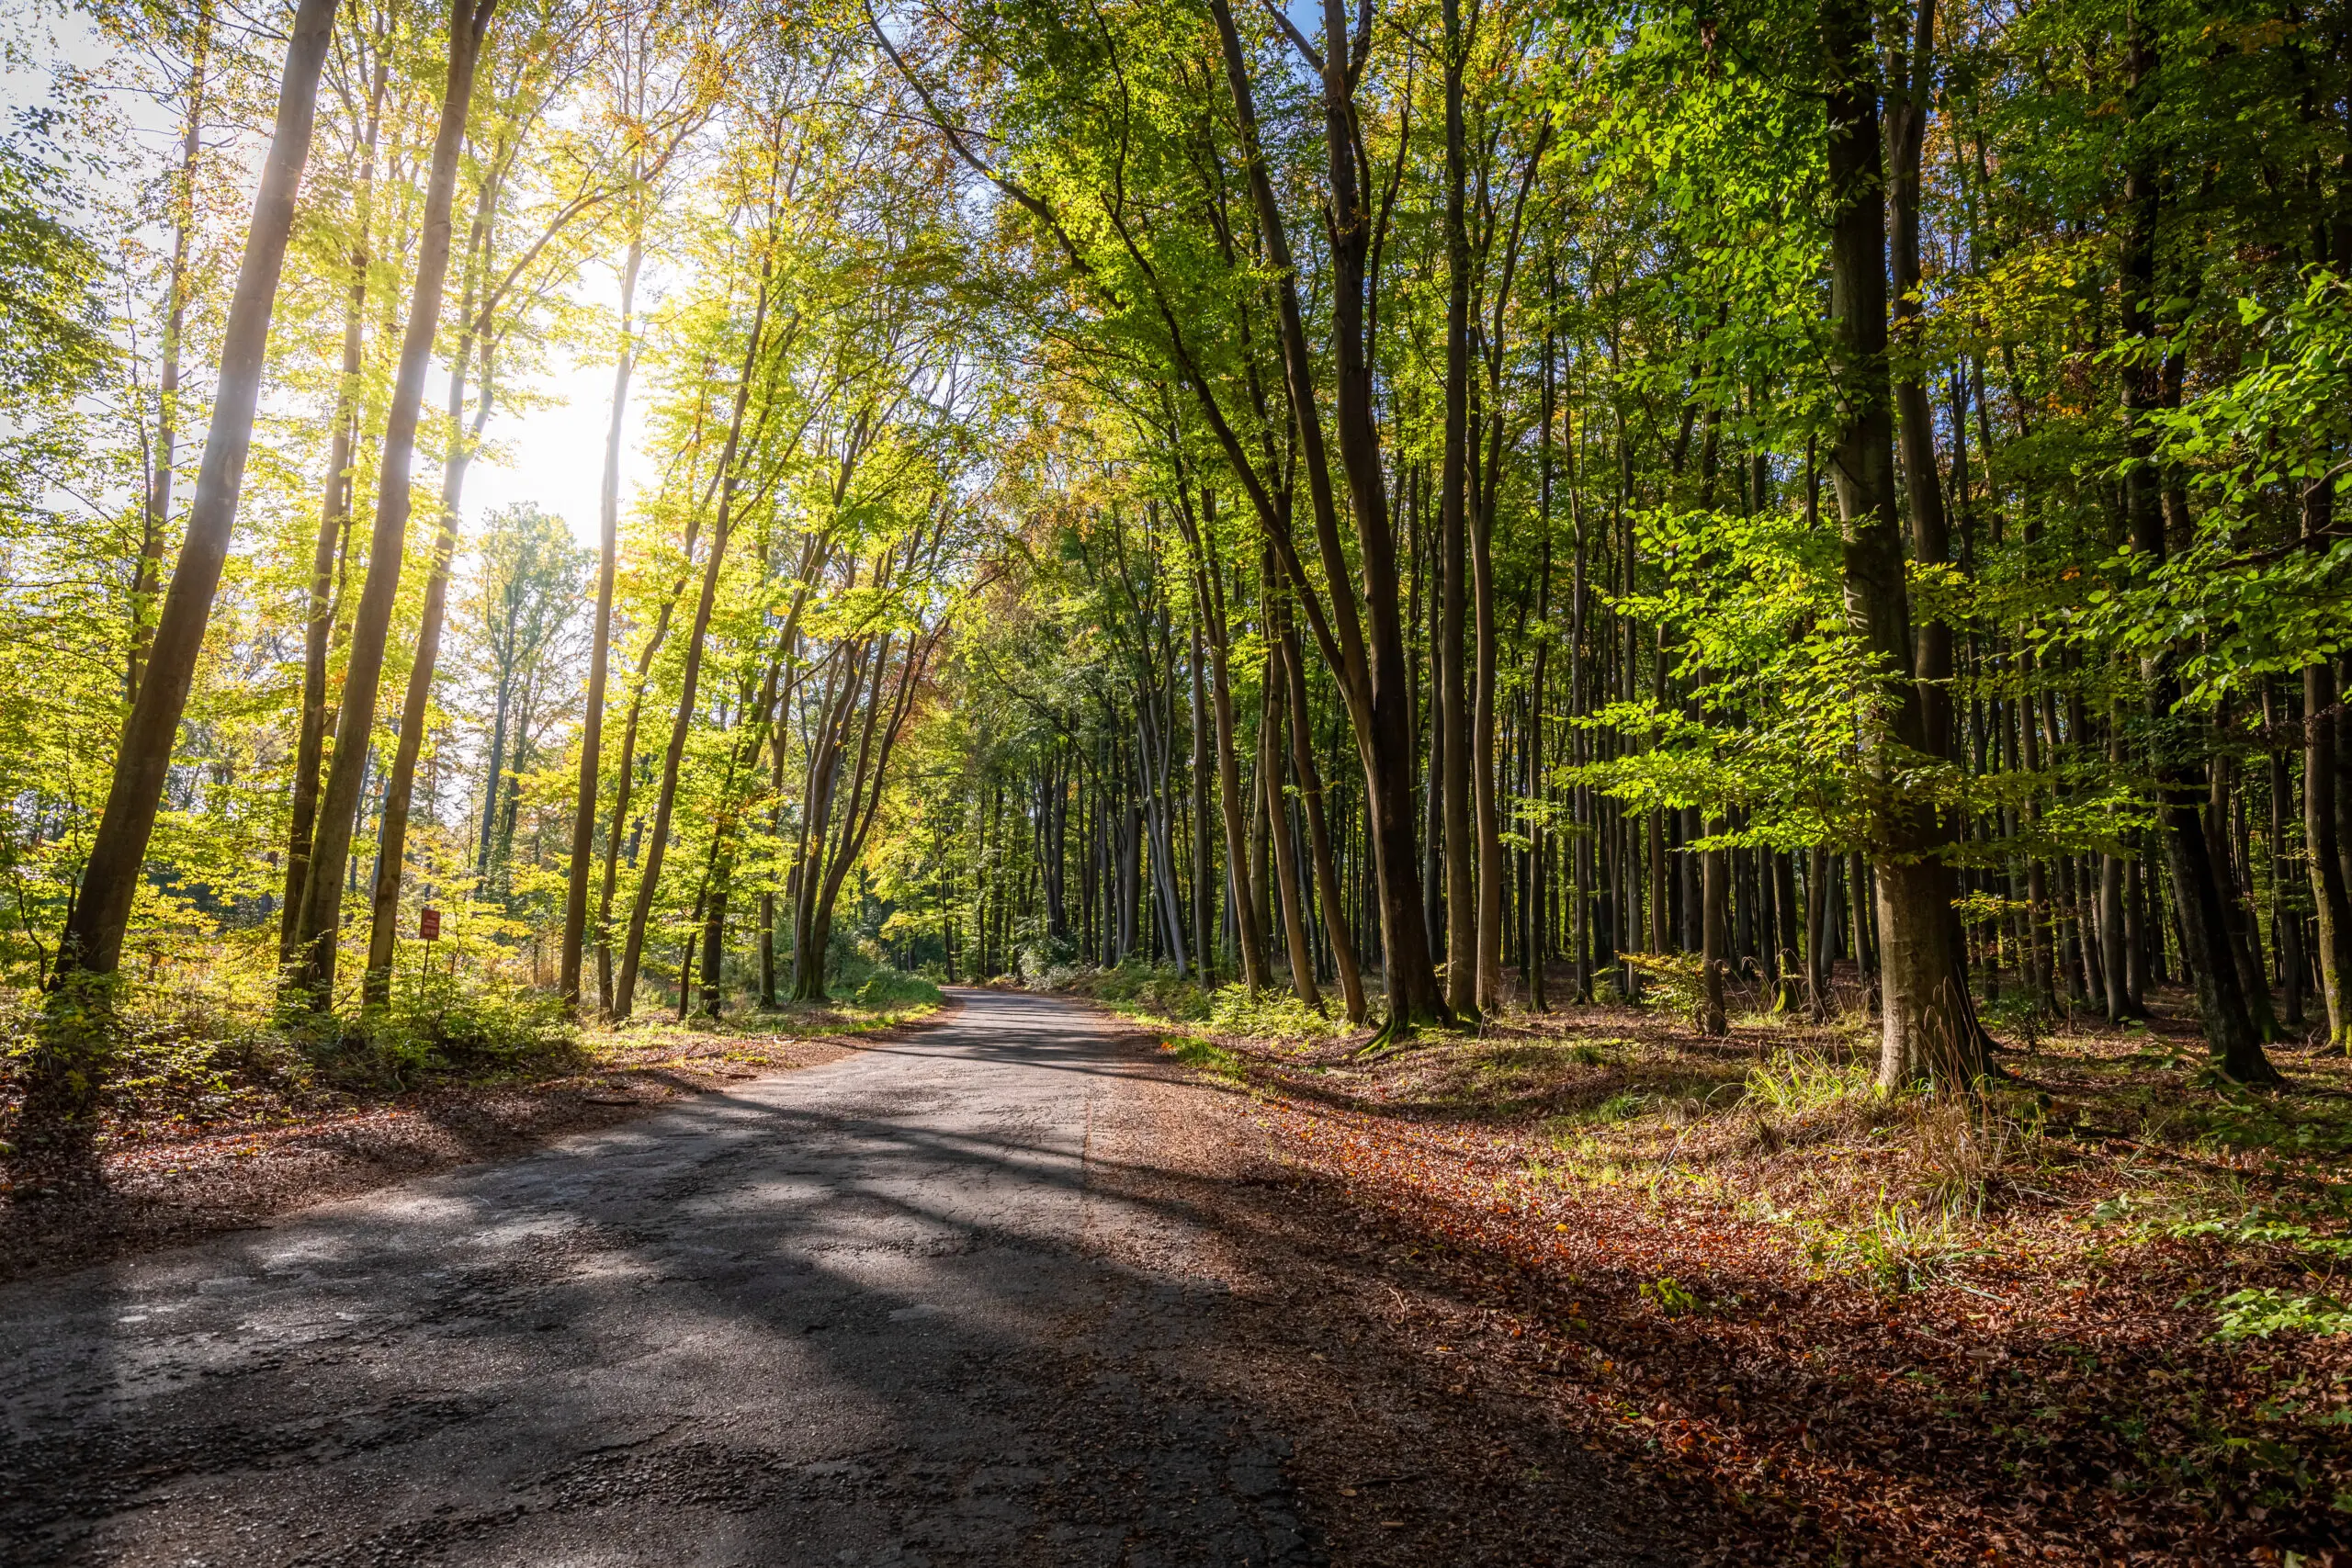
pixel 1204 857
pixel 157 514
pixel 2331 901
pixel 314 963
pixel 591 728
pixel 1209 594
pixel 1369 652
pixel 383 933
pixel 690 675
pixel 1327 875
pixel 1925 1020
pixel 1711 943
pixel 1289 888
pixel 1462 854
pixel 2205 939
pixel 1787 925
pixel 334 521
pixel 65 1077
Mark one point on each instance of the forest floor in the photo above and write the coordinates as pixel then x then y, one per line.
pixel 1580 1287
pixel 2087 1317
pixel 253 1133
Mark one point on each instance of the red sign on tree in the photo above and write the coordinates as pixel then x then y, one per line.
pixel 428 924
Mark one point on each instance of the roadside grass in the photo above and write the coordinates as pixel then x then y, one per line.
pixel 1207 1056
pixel 1151 996
pixel 201 1065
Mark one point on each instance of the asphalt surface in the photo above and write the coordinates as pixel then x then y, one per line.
pixel 874 1311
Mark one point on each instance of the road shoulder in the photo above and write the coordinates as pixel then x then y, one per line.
pixel 1400 1455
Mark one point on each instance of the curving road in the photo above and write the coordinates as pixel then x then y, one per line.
pixel 875 1311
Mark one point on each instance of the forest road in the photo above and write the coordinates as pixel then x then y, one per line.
pixel 880 1311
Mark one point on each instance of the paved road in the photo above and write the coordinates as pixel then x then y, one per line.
pixel 868 1313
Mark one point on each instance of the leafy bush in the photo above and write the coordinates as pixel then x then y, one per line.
pixel 1672 983
pixel 447 1024
pixel 2260 1313
pixel 885 990
pixel 1134 986
pixel 1277 1014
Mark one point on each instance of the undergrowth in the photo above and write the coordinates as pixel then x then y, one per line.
pixel 216 1049
pixel 1152 995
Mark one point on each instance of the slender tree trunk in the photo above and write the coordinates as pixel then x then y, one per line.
pixel 1203 858
pixel 1369 653
pixel 66 1074
pixel 1538 947
pixel 334 520
pixel 1712 899
pixel 1788 926
pixel 1228 768
pixel 2330 901
pixel 1288 887
pixel 2205 939
pixel 157 514
pixel 1462 854
pixel 495 766
pixel 383 933
pixel 1327 875
pixel 592 729
pixel 314 964
pixel 649 880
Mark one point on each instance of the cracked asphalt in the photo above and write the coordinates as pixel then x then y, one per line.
pixel 880 1311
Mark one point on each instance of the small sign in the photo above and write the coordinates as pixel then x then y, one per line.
pixel 428 925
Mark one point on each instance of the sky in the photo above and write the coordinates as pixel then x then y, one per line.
pixel 552 454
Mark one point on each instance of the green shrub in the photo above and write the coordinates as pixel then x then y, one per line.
pixel 1280 1015
pixel 1672 983
pixel 887 989
pixel 445 1024
pixel 2260 1313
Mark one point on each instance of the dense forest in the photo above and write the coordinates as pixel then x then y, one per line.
pixel 1435 510
pixel 1679 670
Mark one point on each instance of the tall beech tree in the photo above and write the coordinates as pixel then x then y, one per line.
pixel 66 1074
pixel 311 975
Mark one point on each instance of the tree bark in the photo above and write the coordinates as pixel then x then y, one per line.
pixel 1462 849
pixel 157 514
pixel 1203 858
pixel 1924 1016
pixel 1208 593
pixel 1367 653
pixel 334 521
pixel 65 1077
pixel 591 728
pixel 1327 875
pixel 2331 901
pixel 1711 943
pixel 383 932
pixel 2205 939
pixel 314 963
pixel 1290 890
pixel 690 675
